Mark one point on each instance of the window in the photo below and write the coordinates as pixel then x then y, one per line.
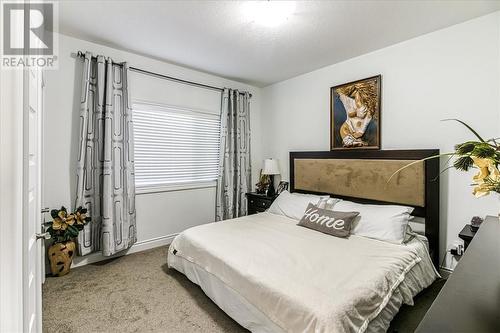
pixel 174 147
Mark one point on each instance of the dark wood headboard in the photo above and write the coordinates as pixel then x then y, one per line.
pixel 361 176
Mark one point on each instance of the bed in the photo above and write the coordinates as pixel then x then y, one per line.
pixel 271 275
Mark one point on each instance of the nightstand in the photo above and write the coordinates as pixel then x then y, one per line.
pixel 258 203
pixel 466 235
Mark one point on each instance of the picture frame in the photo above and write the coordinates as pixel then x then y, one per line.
pixel 283 186
pixel 355 114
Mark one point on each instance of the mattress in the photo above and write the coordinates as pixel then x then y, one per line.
pixel 271 275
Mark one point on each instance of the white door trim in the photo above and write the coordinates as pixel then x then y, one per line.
pixel 11 201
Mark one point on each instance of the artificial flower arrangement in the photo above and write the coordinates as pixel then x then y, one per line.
pixel 63 229
pixel 66 226
pixel 483 154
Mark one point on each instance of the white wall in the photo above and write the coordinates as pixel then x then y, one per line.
pixel 159 215
pixel 451 73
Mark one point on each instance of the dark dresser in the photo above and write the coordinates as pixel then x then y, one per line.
pixel 258 203
pixel 470 298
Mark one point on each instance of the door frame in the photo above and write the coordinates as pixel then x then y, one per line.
pixel 11 200
pixel 14 131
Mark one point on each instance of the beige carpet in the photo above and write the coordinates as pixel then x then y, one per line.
pixel 138 293
pixel 135 293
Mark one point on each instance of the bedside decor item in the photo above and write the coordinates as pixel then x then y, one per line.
pixel 263 184
pixel 63 229
pixel 481 154
pixel 355 114
pixel 475 223
pixel 271 168
pixel 283 186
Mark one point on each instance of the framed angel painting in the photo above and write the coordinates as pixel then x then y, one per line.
pixel 355 114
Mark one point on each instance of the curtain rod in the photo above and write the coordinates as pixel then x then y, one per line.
pixel 81 54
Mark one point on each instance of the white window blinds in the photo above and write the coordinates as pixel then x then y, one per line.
pixel 174 146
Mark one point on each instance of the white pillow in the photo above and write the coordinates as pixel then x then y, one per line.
pixel 383 222
pixel 417 225
pixel 293 205
pixel 327 203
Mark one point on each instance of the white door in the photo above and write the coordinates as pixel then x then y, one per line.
pixel 32 276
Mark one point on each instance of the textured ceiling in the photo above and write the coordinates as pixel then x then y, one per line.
pixel 217 37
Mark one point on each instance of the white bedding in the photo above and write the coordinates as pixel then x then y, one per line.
pixel 301 280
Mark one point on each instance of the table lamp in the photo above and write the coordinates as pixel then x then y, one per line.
pixel 271 168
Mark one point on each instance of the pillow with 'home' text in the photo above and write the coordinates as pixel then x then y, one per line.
pixel 328 221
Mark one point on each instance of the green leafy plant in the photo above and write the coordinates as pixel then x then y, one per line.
pixel 481 154
pixel 66 226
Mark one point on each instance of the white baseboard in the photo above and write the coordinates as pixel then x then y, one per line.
pixel 137 247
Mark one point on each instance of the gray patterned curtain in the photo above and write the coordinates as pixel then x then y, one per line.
pixel 234 158
pixel 105 168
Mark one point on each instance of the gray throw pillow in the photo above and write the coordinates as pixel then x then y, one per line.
pixel 328 221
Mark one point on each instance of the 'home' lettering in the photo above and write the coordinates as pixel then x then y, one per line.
pixel 330 222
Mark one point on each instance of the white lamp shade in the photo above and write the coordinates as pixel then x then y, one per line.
pixel 271 167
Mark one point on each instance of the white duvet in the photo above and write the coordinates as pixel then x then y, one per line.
pixel 301 279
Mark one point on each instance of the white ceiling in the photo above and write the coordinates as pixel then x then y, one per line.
pixel 216 37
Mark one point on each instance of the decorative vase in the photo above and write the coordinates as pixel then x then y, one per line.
pixel 60 257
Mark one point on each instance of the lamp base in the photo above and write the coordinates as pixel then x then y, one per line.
pixel 271 192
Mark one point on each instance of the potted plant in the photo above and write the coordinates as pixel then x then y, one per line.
pixel 63 229
pixel 482 154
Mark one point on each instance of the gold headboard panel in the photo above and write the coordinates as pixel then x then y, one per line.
pixel 362 178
